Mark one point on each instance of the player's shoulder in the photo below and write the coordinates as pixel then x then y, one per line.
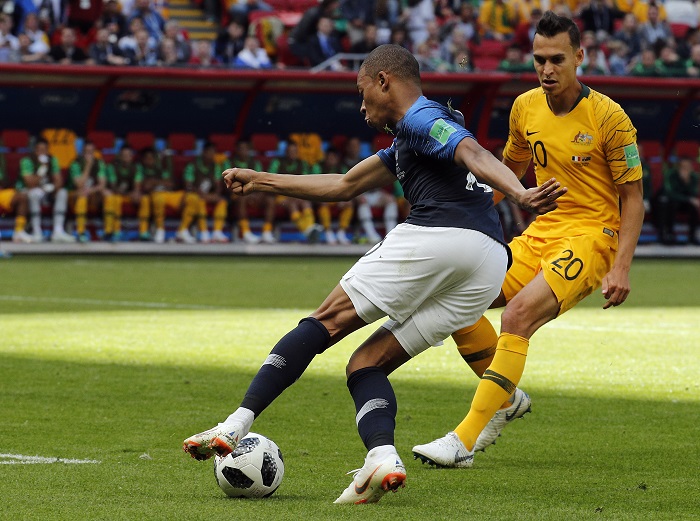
pixel 529 97
pixel 603 106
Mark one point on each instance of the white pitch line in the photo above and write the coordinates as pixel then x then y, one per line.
pixel 119 303
pixel 22 459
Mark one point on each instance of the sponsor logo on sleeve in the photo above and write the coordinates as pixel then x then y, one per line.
pixel 632 156
pixel 441 131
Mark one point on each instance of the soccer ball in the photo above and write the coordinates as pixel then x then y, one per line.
pixel 254 469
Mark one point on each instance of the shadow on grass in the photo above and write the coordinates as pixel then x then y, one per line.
pixel 574 457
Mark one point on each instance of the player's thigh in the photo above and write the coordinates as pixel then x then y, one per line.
pixel 527 256
pixel 338 315
pixel 575 266
pixel 382 349
pixel 174 200
pixel 6 197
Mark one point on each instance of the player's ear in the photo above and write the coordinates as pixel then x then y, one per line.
pixel 578 55
pixel 383 80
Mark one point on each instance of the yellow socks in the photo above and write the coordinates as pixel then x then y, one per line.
pixel 497 384
pixel 189 210
pixel 220 211
pixel 477 345
pixel 80 209
pixel 144 214
pixel 345 217
pixel 159 209
pixel 20 223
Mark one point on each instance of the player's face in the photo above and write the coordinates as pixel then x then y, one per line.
pixel 556 62
pixel 373 106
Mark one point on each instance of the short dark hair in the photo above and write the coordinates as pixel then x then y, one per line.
pixel 393 59
pixel 551 25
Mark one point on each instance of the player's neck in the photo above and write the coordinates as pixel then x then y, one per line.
pixel 563 103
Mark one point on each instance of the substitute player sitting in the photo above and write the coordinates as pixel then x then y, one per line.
pixel 87 180
pixel 588 143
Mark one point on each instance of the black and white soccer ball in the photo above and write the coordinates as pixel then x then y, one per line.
pixel 255 469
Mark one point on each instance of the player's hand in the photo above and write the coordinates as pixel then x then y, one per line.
pixel 616 287
pixel 240 181
pixel 541 199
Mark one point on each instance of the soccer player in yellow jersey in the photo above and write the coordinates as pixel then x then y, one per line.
pixel 586 141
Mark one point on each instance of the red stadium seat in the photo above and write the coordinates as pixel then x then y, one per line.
pixel 103 139
pixel 679 30
pixel 264 143
pixel 182 142
pixel 223 142
pixel 140 140
pixel 15 139
pixel 486 63
pixel 687 149
pixel 381 141
pixel 338 142
pixel 651 149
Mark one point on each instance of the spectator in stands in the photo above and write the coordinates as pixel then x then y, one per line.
pixel 152 19
pixel 368 42
pixel 252 56
pixel 497 20
pixel 145 54
pixel 641 8
pixel 124 182
pixel 27 50
pixel 324 44
pixel 14 201
pixel 230 42
pixel 243 158
pixel 202 55
pixel 514 61
pixel 168 55
pixel 671 62
pixel 9 44
pixel 618 61
pixel 647 65
pixel 600 17
pixel 243 8
pixel 203 180
pixel 52 13
pixel 692 64
pixel 128 42
pixel 454 44
pixel 429 60
pixel 104 52
pixel 594 62
pixel 525 31
pixel 67 51
pixel 681 198
pixel 655 32
pixel 462 61
pixel 87 180
pixel 307 27
pixel 182 45
pixel 331 164
pixel 38 38
pixel 399 36
pixel 416 16
pixel 300 211
pixel 629 35
pixel 41 177
pixel 466 21
pixel 113 19
pixel 84 14
pixel 358 14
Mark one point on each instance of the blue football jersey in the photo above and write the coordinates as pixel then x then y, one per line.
pixel 440 192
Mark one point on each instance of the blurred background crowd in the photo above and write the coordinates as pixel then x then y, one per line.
pixel 620 37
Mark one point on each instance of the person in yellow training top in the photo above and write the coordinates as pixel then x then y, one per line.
pixel 244 158
pixel 159 188
pixel 124 182
pixel 202 179
pixel 587 142
pixel 17 202
pixel 301 212
pixel 332 164
pixel 87 181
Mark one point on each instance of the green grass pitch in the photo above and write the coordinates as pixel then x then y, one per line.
pixel 118 359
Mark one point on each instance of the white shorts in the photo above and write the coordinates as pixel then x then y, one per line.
pixel 443 279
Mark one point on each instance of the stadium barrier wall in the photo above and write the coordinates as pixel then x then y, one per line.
pixel 169 100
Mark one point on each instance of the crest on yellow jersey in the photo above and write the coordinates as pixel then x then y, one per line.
pixel 582 138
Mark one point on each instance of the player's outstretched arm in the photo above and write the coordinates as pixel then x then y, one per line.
pixel 367 175
pixel 616 283
pixel 486 167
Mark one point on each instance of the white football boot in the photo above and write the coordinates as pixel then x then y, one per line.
pixel 383 471
pixel 221 440
pixel 330 237
pixel 205 237
pixel 159 236
pixel 343 237
pixel 448 452
pixel 185 236
pixel 62 237
pixel 250 238
pixel 520 407
pixel 268 238
pixel 219 237
pixel 22 237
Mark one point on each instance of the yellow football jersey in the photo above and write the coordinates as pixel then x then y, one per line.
pixel 589 151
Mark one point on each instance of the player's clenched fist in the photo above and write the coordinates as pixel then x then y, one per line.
pixel 240 181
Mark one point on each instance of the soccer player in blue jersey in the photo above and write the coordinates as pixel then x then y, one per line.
pixel 432 275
